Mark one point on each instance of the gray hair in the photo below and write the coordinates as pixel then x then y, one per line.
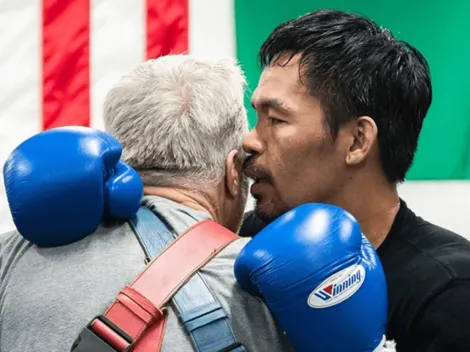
pixel 178 117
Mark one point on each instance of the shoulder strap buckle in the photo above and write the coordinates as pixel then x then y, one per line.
pixel 88 340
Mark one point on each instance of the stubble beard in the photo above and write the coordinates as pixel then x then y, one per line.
pixel 268 212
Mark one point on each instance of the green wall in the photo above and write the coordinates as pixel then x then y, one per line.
pixel 439 29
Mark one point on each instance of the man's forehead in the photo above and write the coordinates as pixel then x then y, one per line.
pixel 279 71
pixel 276 84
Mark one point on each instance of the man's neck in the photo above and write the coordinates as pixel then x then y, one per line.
pixel 377 225
pixel 192 199
pixel 375 206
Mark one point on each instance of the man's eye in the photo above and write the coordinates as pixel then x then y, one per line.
pixel 273 121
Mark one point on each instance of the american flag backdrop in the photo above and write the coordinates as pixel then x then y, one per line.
pixel 59 58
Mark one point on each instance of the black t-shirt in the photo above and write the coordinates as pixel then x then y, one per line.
pixel 428 277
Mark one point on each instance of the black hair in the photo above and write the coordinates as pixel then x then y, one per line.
pixel 356 68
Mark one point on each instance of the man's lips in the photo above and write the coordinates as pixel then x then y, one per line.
pixel 261 180
pixel 257 187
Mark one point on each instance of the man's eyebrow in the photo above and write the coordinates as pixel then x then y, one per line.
pixel 271 103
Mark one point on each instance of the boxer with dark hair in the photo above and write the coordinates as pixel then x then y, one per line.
pixel 340 106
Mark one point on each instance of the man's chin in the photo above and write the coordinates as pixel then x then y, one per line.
pixel 267 212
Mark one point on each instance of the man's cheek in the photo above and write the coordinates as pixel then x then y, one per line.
pixel 291 194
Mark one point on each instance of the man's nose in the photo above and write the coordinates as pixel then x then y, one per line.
pixel 253 143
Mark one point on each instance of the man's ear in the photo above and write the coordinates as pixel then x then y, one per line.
pixel 364 136
pixel 233 169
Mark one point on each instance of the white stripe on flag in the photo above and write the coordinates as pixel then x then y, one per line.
pixel 117 45
pixel 212 28
pixel 20 82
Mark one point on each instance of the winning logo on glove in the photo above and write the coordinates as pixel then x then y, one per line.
pixel 338 287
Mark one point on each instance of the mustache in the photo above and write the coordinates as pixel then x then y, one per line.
pixel 255 171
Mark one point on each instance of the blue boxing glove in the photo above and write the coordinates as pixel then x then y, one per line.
pixel 60 183
pixel 320 277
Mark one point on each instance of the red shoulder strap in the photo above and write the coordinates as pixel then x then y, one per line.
pixel 137 316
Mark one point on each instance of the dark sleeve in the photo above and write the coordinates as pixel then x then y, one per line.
pixel 444 324
pixel 251 224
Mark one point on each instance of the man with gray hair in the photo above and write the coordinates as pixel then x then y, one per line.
pixel 180 121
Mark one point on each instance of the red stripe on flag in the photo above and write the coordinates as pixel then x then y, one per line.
pixel 167 27
pixel 65 63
